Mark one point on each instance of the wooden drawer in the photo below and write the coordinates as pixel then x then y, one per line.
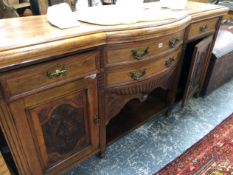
pixel 202 27
pixel 142 50
pixel 32 79
pixel 142 70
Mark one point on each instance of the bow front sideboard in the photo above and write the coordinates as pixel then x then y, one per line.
pixel 67 94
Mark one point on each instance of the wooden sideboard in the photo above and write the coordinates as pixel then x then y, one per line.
pixel 66 94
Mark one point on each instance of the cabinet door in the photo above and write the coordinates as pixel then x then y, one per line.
pixel 197 68
pixel 62 123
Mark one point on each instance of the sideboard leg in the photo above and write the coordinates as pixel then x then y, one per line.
pixel 101 154
pixel 196 95
pixel 168 112
pixel 103 144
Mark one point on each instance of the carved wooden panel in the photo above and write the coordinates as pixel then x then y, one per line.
pixel 63 128
pixel 62 125
pixel 197 67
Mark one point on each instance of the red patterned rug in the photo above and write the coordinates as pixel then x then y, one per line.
pixel 212 155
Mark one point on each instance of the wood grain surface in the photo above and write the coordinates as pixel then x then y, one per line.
pixel 27 31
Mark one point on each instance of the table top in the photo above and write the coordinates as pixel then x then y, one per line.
pixel 26 31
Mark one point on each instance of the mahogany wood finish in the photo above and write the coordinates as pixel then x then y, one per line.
pixel 66 94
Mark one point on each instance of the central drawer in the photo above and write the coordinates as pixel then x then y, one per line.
pixel 142 70
pixel 142 50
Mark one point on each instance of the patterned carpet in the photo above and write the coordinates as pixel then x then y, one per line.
pixel 150 147
pixel 213 155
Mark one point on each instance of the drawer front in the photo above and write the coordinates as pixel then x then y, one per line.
pixel 203 27
pixel 42 75
pixel 142 70
pixel 142 50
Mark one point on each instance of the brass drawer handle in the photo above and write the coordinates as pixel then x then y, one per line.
pixel 173 42
pixel 137 74
pixel 57 73
pixel 138 54
pixel 169 62
pixel 203 28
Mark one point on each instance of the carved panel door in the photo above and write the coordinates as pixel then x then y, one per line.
pixel 62 123
pixel 197 68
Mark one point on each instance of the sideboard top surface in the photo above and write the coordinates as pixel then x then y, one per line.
pixel 20 33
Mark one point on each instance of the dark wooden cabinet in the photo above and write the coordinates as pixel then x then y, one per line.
pixel 63 124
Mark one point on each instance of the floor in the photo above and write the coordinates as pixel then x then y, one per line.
pixel 150 147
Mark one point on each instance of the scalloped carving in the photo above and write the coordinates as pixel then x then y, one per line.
pixel 143 87
pixel 118 97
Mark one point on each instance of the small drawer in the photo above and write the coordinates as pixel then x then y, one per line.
pixel 203 27
pixel 142 50
pixel 42 75
pixel 142 70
